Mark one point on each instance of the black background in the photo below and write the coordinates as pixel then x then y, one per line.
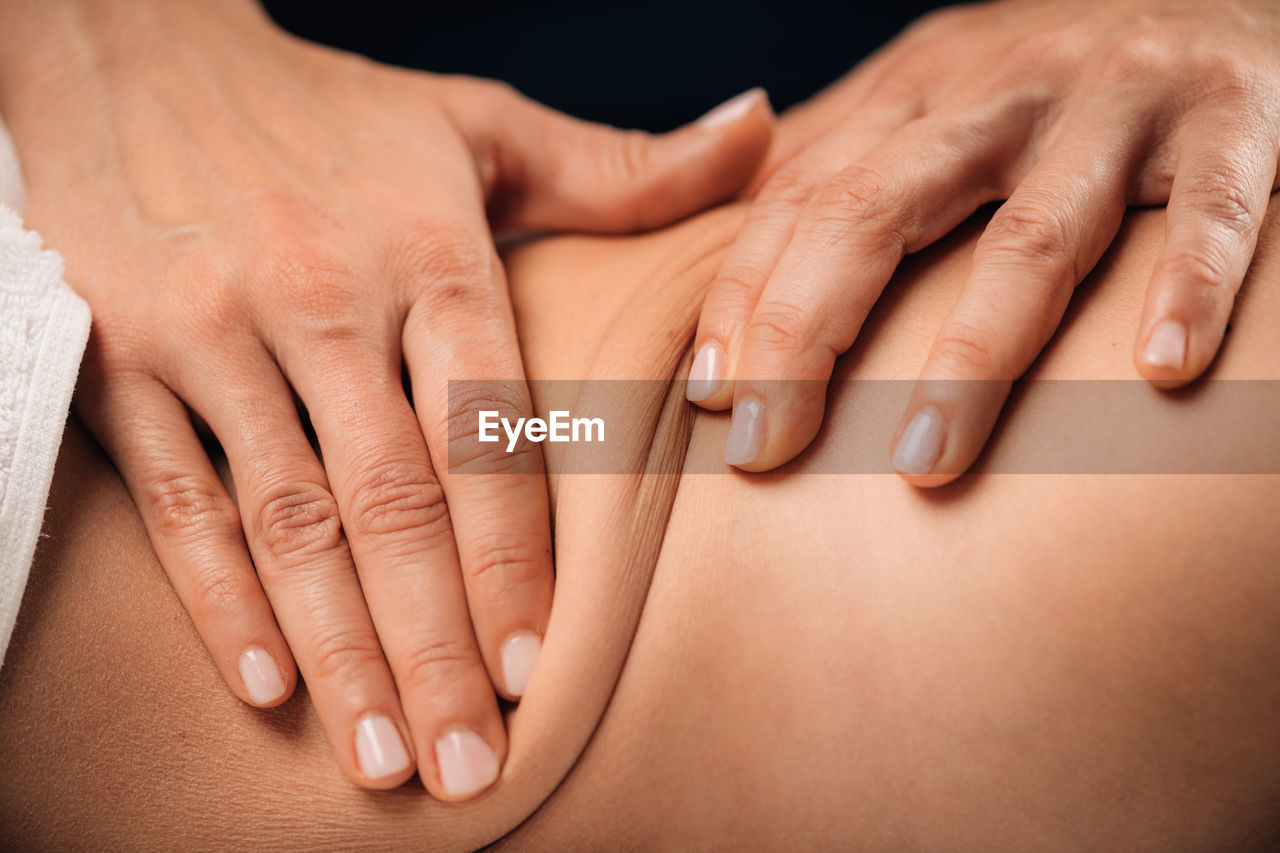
pixel 650 65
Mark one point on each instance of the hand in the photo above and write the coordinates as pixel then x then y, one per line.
pixel 1069 110
pixel 252 217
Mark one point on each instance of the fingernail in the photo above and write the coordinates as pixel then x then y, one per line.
pixel 731 110
pixel 467 764
pixel 921 443
pixel 1167 346
pixel 261 676
pixel 746 432
pixel 519 654
pixel 379 747
pixel 707 373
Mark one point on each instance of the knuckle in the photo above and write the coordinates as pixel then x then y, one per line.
pixel 215 592
pixel 185 506
pixel 632 155
pixel 299 520
pixel 858 196
pixel 343 656
pixel 1221 194
pixel 427 249
pixel 397 497
pixel 789 188
pixel 320 295
pixel 779 327
pixel 463 428
pixel 504 560
pixel 738 283
pixel 1136 56
pixel 856 191
pixel 966 349
pixel 939 23
pixel 1204 267
pixel 1222 72
pixel 434 662
pixel 1027 235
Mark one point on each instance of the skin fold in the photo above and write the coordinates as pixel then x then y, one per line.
pixel 255 221
pixel 737 661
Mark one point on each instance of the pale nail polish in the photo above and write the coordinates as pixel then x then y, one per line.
pixel 731 110
pixel 467 764
pixel 746 432
pixel 379 747
pixel 921 443
pixel 261 676
pixel 1167 346
pixel 707 373
pixel 519 653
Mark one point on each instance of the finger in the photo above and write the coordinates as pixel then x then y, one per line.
pixel 905 194
pixel 498 505
pixel 1225 169
pixel 546 170
pixel 764 237
pixel 394 512
pixel 1039 245
pixel 295 535
pixel 195 529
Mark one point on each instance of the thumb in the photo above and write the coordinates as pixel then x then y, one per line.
pixel 548 171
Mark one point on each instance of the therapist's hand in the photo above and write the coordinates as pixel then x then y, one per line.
pixel 253 218
pixel 1070 110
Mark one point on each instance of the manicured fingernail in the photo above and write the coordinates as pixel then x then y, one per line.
pixel 731 110
pixel 746 432
pixel 707 373
pixel 261 676
pixel 921 443
pixel 467 764
pixel 519 654
pixel 1167 346
pixel 379 747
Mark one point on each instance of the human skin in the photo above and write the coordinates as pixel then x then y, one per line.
pixel 1066 110
pixel 833 661
pixel 250 218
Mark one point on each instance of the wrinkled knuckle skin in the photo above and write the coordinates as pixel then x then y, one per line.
pixel 790 187
pixel 505 560
pixel 466 451
pixel 1027 235
pixel 966 348
pixel 435 664
pixel 215 592
pixel 779 328
pixel 441 256
pixel 858 193
pixel 632 156
pixel 1223 197
pixel 186 507
pixel 319 294
pixel 299 521
pixel 343 656
pixel 1219 72
pixel 1204 268
pixel 738 283
pixel 397 498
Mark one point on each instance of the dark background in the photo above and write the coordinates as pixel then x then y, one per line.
pixel 651 65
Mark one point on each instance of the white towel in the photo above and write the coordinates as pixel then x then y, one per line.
pixel 43 330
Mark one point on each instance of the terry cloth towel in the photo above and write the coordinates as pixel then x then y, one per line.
pixel 43 330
